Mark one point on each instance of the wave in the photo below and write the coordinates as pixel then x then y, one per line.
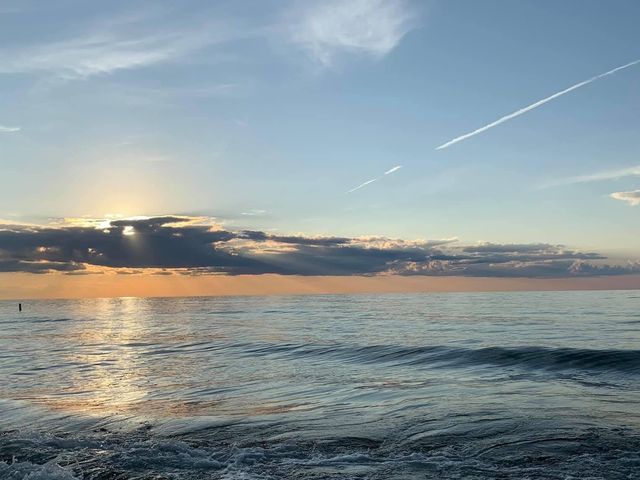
pixel 32 471
pixel 530 357
pixel 596 454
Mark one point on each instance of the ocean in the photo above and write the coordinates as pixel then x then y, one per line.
pixel 414 386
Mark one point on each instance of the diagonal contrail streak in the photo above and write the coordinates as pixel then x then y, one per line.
pixel 535 105
pixel 364 184
pixel 392 170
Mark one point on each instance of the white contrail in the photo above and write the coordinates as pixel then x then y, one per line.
pixel 388 172
pixel 364 184
pixel 394 169
pixel 4 129
pixel 534 105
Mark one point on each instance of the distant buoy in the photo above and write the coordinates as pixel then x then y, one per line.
pixel 19 307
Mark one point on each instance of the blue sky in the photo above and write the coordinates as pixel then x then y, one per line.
pixel 264 114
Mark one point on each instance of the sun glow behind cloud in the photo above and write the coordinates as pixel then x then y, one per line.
pixel 128 231
pixel 198 246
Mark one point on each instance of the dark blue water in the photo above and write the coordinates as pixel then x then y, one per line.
pixel 497 385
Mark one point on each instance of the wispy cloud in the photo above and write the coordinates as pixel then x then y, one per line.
pixel 111 46
pixel 632 198
pixel 367 27
pixel 256 212
pixel 5 129
pixel 142 94
pixel 595 177
pixel 364 184
pixel 537 104
pixel 85 57
pixel 8 9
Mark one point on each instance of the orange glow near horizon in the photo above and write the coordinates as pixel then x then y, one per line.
pixel 30 286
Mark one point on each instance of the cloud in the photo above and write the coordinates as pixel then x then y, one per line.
pixel 85 57
pixel 596 177
pixel 256 212
pixel 13 265
pixel 142 95
pixel 5 129
pixel 176 244
pixel 537 104
pixel 632 198
pixel 109 47
pixel 327 29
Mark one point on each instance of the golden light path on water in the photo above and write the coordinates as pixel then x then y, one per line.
pixel 111 381
pixel 117 377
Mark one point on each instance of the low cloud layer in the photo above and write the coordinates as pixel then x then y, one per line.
pixel 170 245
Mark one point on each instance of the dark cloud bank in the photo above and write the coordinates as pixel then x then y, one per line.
pixel 177 246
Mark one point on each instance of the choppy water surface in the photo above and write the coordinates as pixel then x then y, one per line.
pixel 517 385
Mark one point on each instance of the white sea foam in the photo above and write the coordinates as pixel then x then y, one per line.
pixel 29 471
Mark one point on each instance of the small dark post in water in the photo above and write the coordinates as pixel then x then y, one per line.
pixel 19 307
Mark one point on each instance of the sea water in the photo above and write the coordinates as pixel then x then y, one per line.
pixel 460 385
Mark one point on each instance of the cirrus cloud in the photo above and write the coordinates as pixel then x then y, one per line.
pixel 371 28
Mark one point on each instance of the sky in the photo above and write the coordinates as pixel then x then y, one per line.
pixel 150 147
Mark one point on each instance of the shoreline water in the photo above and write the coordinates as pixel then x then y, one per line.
pixel 487 385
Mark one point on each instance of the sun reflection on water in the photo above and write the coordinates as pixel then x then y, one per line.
pixel 109 379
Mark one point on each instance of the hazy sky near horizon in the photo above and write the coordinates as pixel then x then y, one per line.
pixel 293 116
